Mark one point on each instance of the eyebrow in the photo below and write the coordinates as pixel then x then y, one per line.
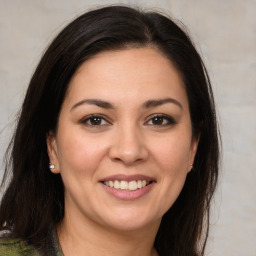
pixel 147 104
pixel 155 103
pixel 97 102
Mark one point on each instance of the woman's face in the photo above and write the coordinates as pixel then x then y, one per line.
pixel 124 142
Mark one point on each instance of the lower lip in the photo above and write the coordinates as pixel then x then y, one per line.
pixel 128 194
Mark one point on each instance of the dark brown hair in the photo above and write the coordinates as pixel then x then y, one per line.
pixel 34 199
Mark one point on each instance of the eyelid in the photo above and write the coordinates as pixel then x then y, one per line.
pixel 86 118
pixel 170 119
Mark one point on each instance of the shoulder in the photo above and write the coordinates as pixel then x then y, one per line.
pixel 16 247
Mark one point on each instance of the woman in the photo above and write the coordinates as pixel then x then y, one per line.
pixel 116 148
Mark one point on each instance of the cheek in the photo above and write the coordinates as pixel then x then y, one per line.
pixel 172 154
pixel 80 154
pixel 172 160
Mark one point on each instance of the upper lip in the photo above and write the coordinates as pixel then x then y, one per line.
pixel 127 177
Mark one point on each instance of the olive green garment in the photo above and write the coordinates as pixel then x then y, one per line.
pixel 18 247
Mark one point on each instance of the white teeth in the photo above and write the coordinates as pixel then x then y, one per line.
pixel 125 185
pixel 133 185
pixel 139 184
pixel 116 184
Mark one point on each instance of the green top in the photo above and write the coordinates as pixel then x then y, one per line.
pixel 18 247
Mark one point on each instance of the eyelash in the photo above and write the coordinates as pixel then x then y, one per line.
pixel 165 118
pixel 94 116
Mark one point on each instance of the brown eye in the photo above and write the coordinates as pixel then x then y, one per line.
pixel 161 120
pixel 94 120
pixel 157 120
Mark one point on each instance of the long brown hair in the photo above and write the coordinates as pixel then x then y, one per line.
pixel 34 200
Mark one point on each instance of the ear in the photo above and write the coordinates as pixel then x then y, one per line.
pixel 193 150
pixel 52 152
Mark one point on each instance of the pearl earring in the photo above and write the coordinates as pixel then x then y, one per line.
pixel 51 166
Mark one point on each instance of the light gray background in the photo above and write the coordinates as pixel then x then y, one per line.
pixel 225 33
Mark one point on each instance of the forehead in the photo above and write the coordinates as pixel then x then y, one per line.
pixel 139 73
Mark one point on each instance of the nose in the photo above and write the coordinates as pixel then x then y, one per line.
pixel 128 146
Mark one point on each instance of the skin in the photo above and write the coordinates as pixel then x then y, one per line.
pixel 127 140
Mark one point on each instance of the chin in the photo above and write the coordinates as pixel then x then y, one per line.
pixel 127 221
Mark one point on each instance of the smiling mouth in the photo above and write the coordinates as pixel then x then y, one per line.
pixel 127 185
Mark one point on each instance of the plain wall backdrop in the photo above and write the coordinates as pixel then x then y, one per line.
pixel 225 35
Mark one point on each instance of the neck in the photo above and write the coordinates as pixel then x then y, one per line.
pixel 88 238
